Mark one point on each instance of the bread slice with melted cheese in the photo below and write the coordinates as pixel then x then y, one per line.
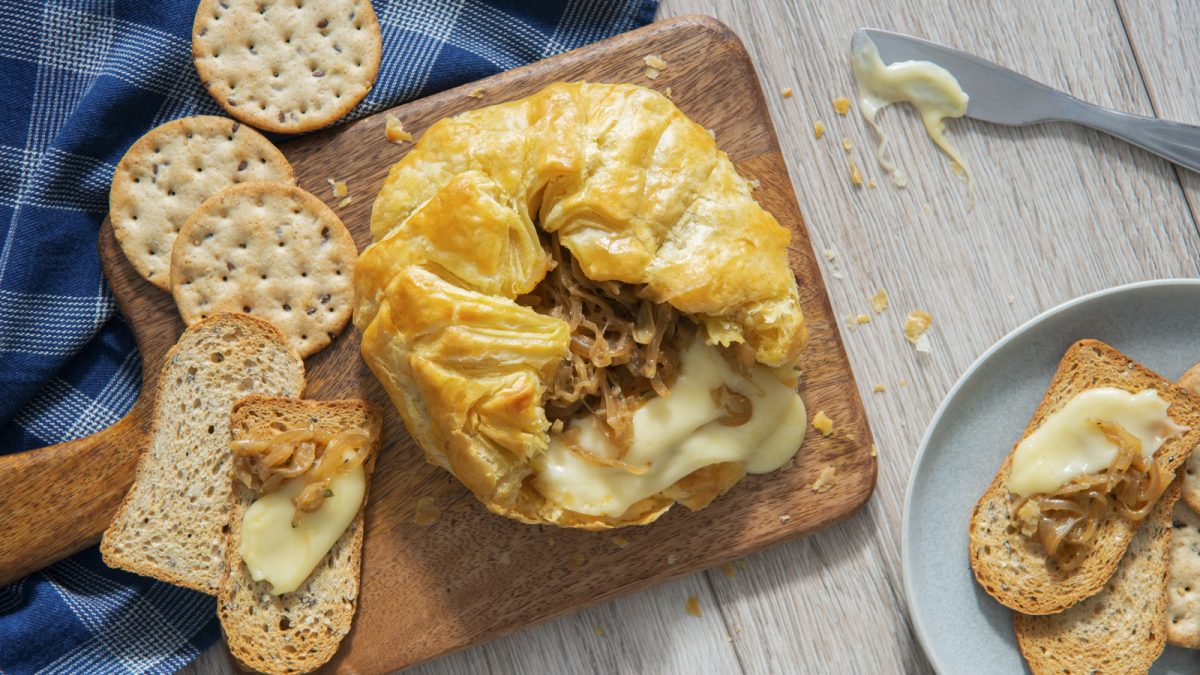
pixel 1015 571
pixel 299 631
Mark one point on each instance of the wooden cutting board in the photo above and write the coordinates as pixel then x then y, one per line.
pixel 472 576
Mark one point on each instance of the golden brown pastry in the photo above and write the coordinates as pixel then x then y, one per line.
pixel 554 277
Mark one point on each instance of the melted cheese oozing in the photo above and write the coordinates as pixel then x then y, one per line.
pixel 283 555
pixel 931 88
pixel 676 435
pixel 1068 444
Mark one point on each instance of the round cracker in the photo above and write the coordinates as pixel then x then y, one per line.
pixel 291 66
pixel 270 250
pixel 168 172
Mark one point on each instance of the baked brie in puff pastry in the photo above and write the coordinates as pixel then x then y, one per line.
pixel 579 309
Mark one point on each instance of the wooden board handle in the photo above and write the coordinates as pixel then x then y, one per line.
pixel 57 500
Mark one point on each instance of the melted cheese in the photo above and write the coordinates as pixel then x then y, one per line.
pixel 283 555
pixel 1068 443
pixel 676 435
pixel 929 87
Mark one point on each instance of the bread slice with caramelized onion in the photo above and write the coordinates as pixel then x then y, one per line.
pixel 1017 572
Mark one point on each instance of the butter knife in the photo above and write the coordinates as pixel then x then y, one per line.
pixel 1001 96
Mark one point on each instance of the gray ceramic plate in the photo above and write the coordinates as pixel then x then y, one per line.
pixel 961 628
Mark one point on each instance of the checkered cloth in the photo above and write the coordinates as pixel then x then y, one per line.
pixel 82 80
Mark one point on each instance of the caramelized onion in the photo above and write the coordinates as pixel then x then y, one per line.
pixel 738 408
pixel 1068 519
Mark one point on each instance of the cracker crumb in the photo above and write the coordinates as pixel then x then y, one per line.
pixel 345 202
pixel 1012 299
pixel 505 558
pixel 915 327
pixel 871 184
pixel 824 482
pixel 728 570
pixel 903 383
pixel 395 130
pixel 754 183
pixel 829 254
pixel 927 208
pixel 427 512
pixel 600 632
pixel 862 318
pixel 855 176
pixel 620 540
pixel 879 388
pixel 879 301
pixel 846 144
pixel 651 73
pixel 841 105
pixel 837 274
pixel 338 187
pixel 874 450
pixel 783 520
pixel 669 93
pixel 786 92
pixel 822 423
pixel 672 559
pixel 693 606
pixel 737 629
pixel 654 61
pixel 475 92
pixel 576 560
pixel 818 129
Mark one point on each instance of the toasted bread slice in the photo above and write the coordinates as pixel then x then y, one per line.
pixel 298 631
pixel 1014 570
pixel 171 524
pixel 1121 629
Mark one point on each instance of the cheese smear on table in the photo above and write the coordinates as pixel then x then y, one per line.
pixel 930 88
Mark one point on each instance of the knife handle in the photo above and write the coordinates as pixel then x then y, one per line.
pixel 1173 141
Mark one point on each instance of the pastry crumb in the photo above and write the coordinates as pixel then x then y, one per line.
pixel 669 93
pixel 829 254
pixel 786 92
pixel 879 388
pixel 846 144
pixel 1012 299
pixel 874 450
pixel 879 301
pixel 338 187
pixel 345 202
pixel 754 183
pixel 783 520
pixel 822 423
pixel 818 129
pixel 672 559
pixel 395 130
pixel 576 560
pixel 693 606
pixel 620 540
pixel 654 61
pixel 737 629
pixel 712 133
pixel 475 92
pixel 855 176
pixel 728 570
pixel 651 73
pixel 915 328
pixel 824 482
pixel 841 105
pixel 600 632
pixel 427 512
pixel 871 184
pixel 927 208
pixel 862 318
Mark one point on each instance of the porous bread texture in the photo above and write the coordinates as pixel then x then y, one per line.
pixel 287 67
pixel 1121 629
pixel 172 523
pixel 1183 579
pixel 295 632
pixel 1014 570
pixel 169 171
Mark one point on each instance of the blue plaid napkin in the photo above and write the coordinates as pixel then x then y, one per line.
pixel 83 80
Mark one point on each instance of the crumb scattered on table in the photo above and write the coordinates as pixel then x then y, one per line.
pixel 427 512
pixel 862 318
pixel 728 570
pixel 576 560
pixel 824 482
pixel 855 176
pixel 786 92
pixel 879 388
pixel 651 73
pixel 672 559
pixel 879 301
pixel 915 327
pixel 395 130
pixel 783 520
pixel 654 61
pixel 829 254
pixel 818 129
pixel 822 423
pixel 600 632
pixel 927 208
pixel 338 188
pixel 475 92
pixel 620 540
pixel 841 105
pixel 1012 299
pixel 505 558
pixel 693 606
pixel 871 184
pixel 345 202
pixel 874 450
pixel 846 144
pixel 669 93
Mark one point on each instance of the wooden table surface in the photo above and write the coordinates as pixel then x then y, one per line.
pixel 1060 211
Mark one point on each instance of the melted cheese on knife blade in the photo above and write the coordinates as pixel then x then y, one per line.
pixel 1068 444
pixel 676 435
pixel 283 555
pixel 929 87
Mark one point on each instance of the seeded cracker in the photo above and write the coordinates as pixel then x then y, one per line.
pixel 270 250
pixel 288 67
pixel 168 172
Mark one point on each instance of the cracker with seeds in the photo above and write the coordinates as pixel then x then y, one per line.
pixel 270 250
pixel 1183 579
pixel 168 172
pixel 291 66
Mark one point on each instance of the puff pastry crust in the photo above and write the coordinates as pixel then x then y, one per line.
pixel 637 193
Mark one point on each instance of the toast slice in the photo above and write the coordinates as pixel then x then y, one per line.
pixel 298 631
pixel 1015 571
pixel 1121 629
pixel 171 524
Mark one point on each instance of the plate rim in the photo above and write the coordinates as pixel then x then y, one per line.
pixel 936 419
